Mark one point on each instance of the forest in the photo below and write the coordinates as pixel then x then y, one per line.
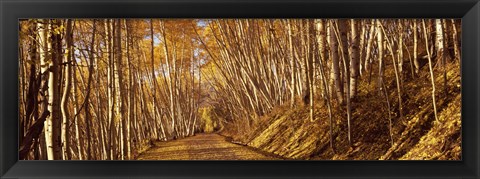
pixel 239 89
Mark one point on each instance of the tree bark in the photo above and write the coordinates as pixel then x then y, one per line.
pixel 380 55
pixel 368 52
pixel 111 148
pixel 292 63
pixel 342 29
pixel 415 47
pixel 54 87
pixel 335 72
pixel 87 95
pixel 354 59
pixel 456 46
pixel 67 91
pixel 431 70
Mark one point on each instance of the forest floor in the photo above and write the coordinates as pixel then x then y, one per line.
pixel 202 147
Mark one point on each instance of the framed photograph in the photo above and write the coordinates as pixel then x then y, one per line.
pixel 247 89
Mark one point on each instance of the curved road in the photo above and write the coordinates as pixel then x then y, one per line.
pixel 201 147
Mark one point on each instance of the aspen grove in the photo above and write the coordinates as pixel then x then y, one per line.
pixel 108 89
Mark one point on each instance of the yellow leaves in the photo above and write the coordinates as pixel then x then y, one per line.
pixel 207 118
pixel 57 30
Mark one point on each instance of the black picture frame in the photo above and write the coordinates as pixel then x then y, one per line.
pixel 12 10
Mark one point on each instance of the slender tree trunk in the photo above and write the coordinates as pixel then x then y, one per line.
pixel 400 51
pixel 380 55
pixel 120 82
pixel 431 70
pixel 354 59
pixel 111 147
pixel 66 91
pixel 45 45
pixel 127 125
pixel 456 46
pixel 397 76
pixel 441 55
pixel 87 95
pixel 48 58
pixel 118 97
pixel 76 119
pixel 320 43
pixel 362 46
pixel 342 29
pixel 389 114
pixel 100 121
pixel 154 79
pixel 335 72
pixel 415 47
pixel 292 62
pixel 54 81
pixel 439 40
pixel 368 52
pixel 310 68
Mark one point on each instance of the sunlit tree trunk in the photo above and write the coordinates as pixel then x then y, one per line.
pixel 400 50
pixel 321 37
pixel 121 87
pixel 87 96
pixel 456 46
pixel 127 123
pixel 111 147
pixel 440 42
pixel 67 91
pixel 48 60
pixel 380 55
pixel 335 71
pixel 169 80
pixel 362 46
pixel 321 45
pixel 100 119
pixel 431 69
pixel 45 45
pixel 310 68
pixel 79 139
pixel 354 59
pixel 154 78
pixel 415 47
pixel 117 84
pixel 292 62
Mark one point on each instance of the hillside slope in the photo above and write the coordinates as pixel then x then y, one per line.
pixel 289 133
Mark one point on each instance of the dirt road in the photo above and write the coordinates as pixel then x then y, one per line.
pixel 201 147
